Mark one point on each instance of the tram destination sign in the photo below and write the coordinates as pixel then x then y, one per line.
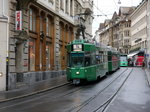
pixel 77 47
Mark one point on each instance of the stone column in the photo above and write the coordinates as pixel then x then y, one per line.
pixel 3 42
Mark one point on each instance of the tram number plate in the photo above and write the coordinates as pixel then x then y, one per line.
pixel 76 81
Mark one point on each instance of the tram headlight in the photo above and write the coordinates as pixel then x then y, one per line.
pixel 1 74
pixel 77 73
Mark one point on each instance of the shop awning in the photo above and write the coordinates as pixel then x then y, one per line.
pixel 133 53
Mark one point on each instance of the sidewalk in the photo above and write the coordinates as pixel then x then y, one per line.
pixel 33 89
pixel 147 71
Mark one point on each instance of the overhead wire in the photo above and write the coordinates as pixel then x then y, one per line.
pixel 115 4
pixel 100 10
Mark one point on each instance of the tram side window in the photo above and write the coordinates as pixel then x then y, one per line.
pixel 97 59
pixel 93 59
pixel 69 60
pixel 105 57
pixel 87 61
pixel 109 57
pixel 101 58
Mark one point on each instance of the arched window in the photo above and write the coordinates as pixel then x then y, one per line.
pixel 32 20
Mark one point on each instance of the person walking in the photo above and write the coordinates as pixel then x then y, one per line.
pixel 149 64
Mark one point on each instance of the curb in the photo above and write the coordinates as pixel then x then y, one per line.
pixel 33 93
pixel 148 77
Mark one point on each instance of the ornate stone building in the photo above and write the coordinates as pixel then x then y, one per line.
pixel 148 31
pixel 139 27
pixel 116 31
pixel 38 33
pixel 4 21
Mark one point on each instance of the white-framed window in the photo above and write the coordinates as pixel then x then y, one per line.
pixel 32 20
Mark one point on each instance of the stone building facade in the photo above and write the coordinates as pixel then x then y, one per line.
pixel 148 31
pixel 116 31
pixel 4 21
pixel 37 48
pixel 139 27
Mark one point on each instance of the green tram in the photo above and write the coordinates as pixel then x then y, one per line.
pixel 113 60
pixel 86 61
pixel 123 60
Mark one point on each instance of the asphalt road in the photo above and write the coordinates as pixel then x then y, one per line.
pixel 133 96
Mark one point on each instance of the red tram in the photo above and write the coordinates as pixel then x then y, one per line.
pixel 140 59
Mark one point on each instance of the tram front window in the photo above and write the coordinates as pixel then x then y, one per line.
pixel 123 58
pixel 77 60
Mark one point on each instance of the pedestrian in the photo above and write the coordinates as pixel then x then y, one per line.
pixel 149 64
pixel 143 64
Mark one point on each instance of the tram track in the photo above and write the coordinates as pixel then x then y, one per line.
pixel 37 93
pixel 111 98
pixel 66 94
pixel 83 104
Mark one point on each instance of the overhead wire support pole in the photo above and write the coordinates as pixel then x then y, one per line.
pixel 81 27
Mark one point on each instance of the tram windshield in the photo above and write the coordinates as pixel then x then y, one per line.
pixel 123 58
pixel 76 60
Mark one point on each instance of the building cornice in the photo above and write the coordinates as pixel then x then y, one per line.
pixel 138 8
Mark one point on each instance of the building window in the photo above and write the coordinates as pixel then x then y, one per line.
pixel 66 6
pixel 41 53
pixel 61 31
pixel 41 24
pixel 51 1
pixel 60 55
pixel 32 20
pixel 66 34
pixel 47 56
pixel 61 5
pixel 48 27
pixel 77 7
pixel 127 24
pixel 32 55
pixel 127 33
pixel 71 8
pixel 70 35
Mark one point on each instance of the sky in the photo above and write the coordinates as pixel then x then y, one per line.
pixel 106 8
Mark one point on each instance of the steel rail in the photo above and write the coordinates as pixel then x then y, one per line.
pixel 81 105
pixel 110 99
